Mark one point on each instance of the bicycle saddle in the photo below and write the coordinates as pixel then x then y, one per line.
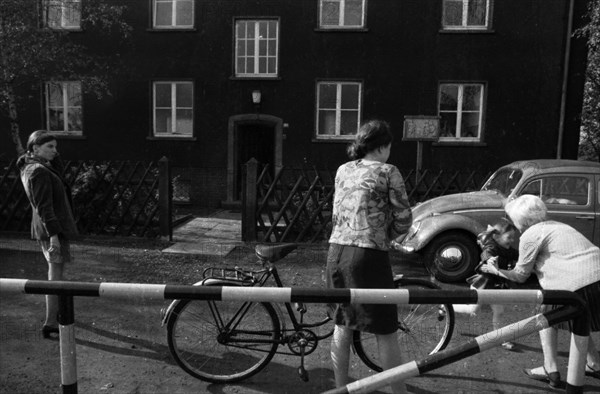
pixel 273 253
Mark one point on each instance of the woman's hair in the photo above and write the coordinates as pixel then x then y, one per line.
pixel 39 137
pixel 525 211
pixel 372 134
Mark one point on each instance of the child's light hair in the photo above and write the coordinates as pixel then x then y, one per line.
pixel 525 211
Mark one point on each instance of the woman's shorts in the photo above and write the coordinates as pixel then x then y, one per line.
pixel 591 295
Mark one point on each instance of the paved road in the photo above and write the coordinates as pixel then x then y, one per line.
pixel 121 347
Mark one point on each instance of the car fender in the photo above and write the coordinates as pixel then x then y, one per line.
pixel 432 226
pixel 166 312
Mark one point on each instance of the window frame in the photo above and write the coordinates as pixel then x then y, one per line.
pixel 464 22
pixel 64 107
pixel 256 56
pixel 342 9
pixel 460 95
pixel 338 110
pixel 47 4
pixel 173 108
pixel 173 25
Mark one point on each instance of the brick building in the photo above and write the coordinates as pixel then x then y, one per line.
pixel 217 82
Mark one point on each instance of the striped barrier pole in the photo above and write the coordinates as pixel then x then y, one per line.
pixel 575 310
pixel 68 357
pixel 358 296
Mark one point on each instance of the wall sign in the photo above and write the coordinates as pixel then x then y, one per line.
pixel 421 128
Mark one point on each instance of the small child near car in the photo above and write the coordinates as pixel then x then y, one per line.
pixel 495 243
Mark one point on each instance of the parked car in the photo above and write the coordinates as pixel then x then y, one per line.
pixel 444 229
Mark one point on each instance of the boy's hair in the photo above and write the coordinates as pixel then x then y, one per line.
pixel 502 226
pixel 39 137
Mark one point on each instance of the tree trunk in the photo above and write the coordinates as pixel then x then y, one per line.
pixel 14 123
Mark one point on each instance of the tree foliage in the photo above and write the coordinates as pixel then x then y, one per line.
pixel 589 144
pixel 32 53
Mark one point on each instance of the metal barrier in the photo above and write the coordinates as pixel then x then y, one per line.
pixel 574 309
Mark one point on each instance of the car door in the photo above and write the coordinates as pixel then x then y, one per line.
pixel 570 198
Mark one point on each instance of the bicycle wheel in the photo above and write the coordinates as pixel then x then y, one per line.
pixel 423 329
pixel 223 341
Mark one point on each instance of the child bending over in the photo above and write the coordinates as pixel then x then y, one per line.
pixel 495 243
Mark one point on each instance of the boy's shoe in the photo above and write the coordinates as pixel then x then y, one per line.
pixel 508 345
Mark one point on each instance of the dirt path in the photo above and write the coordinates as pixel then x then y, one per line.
pixel 122 348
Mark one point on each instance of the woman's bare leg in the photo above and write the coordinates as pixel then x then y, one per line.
pixel 593 358
pixel 55 272
pixel 340 354
pixel 549 341
pixel 390 355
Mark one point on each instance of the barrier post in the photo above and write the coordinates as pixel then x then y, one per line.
pixel 68 357
pixel 165 199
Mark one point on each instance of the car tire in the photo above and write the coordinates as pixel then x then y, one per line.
pixel 451 257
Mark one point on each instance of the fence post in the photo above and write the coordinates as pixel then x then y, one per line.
pixel 249 201
pixel 165 198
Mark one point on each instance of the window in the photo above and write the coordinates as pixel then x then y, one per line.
pixel 466 14
pixel 64 112
pixel 561 190
pixel 460 112
pixel 173 109
pixel 173 14
pixel 338 109
pixel 61 14
pixel 256 48
pixel 341 14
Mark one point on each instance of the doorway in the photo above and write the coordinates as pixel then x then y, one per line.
pixel 251 136
pixel 252 141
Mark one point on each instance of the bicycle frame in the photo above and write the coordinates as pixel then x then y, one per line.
pixel 269 271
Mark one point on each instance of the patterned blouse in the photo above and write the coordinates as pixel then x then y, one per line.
pixel 370 205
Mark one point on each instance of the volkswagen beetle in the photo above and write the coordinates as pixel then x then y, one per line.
pixel 445 228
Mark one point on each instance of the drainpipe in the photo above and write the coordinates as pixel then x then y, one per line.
pixel 563 98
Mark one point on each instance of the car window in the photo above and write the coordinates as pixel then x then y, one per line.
pixel 561 190
pixel 504 180
pixel 533 188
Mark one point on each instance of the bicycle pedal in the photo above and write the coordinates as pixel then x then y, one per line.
pixel 303 374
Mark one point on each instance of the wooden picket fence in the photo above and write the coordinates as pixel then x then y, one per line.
pixel 109 198
pixel 294 205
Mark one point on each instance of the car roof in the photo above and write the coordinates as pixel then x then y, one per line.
pixel 556 164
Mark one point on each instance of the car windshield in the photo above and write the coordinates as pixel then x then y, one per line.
pixel 504 180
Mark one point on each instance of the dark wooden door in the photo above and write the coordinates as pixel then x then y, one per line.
pixel 253 141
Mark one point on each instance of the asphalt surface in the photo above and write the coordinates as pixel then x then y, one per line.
pixel 121 347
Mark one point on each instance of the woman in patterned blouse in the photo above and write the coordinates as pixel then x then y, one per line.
pixel 370 209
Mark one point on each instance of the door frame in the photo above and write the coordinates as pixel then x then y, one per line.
pixel 250 119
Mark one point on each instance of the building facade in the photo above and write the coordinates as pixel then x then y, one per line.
pixel 216 82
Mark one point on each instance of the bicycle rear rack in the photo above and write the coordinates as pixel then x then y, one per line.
pixel 246 278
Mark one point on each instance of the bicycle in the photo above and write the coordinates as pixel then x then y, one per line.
pixel 229 341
